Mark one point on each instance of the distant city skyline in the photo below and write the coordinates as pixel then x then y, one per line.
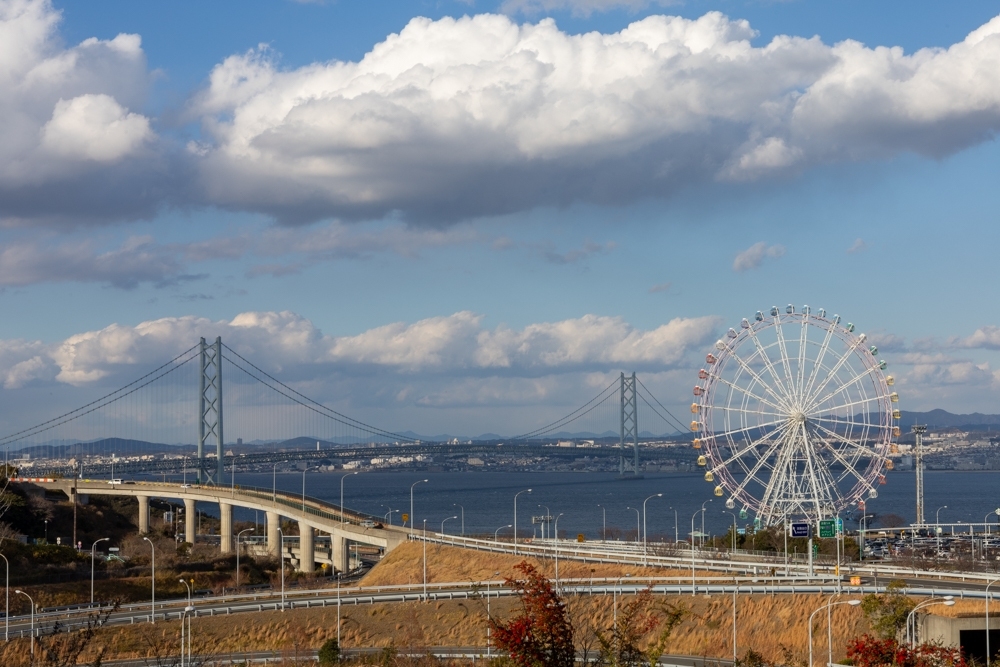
pixel 454 217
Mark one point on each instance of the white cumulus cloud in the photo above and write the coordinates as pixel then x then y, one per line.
pixel 70 138
pixel 94 127
pixel 483 115
pixel 754 256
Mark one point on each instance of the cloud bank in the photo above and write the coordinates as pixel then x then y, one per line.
pixel 482 116
pixel 477 116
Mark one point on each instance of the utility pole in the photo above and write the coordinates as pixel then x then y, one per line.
pixel 919 461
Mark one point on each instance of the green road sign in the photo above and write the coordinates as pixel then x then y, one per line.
pixel 826 528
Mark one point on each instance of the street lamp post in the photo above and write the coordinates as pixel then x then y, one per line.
pixel 604 524
pixel 92 554
pixel 911 637
pixel 388 515
pixel 6 606
pixel 937 529
pixel 448 519
pixel 733 514
pixel 676 530
pixel 644 552
pixel 458 505
pixel 185 616
pixel 488 617
pixel 557 553
pixel 281 564
pixel 274 483
pixel 425 560
pixel 638 531
pixel 152 583
pixel 614 600
pixel 988 621
pixel 830 603
pixel 703 522
pixel 20 592
pixel 692 550
pixel 342 494
pixel 496 533
pixel 412 518
pixel 515 517
pixel 238 535
pixel 548 513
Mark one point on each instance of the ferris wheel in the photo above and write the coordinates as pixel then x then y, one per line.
pixel 794 416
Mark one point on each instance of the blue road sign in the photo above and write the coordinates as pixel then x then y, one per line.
pixel 800 530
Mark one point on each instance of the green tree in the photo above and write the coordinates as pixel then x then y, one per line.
pixel 329 653
pixel 887 612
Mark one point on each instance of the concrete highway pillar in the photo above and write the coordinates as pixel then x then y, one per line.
pixel 339 548
pixel 143 514
pixel 226 528
pixel 273 543
pixel 190 520
pixel 307 559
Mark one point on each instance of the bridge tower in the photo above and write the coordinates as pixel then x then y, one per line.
pixel 629 427
pixel 210 410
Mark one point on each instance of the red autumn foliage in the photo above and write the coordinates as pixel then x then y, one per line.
pixel 869 651
pixel 541 634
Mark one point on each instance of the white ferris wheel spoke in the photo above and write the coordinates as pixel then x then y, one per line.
pixel 858 377
pixel 832 373
pixel 803 341
pixel 752 373
pixel 751 473
pixel 841 406
pixel 726 434
pixel 766 359
pixel 846 422
pixel 848 465
pixel 779 472
pixel 820 356
pixel 784 360
pixel 864 449
pixel 770 437
pixel 823 484
pixel 781 410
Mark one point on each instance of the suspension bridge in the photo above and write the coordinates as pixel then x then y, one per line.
pixel 182 411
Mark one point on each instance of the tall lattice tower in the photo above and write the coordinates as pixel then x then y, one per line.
pixel 919 462
pixel 210 410
pixel 629 427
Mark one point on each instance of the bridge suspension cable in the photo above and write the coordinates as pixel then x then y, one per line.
pixel 673 420
pixel 607 393
pixel 301 399
pixel 106 400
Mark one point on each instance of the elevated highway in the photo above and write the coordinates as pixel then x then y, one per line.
pixel 342 525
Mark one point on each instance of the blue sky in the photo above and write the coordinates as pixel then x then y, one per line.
pixel 172 168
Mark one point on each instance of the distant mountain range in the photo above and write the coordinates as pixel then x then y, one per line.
pixel 976 421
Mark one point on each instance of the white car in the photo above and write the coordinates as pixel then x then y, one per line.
pixel 114 481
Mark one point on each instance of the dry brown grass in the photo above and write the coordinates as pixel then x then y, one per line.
pixel 765 623
pixel 404 565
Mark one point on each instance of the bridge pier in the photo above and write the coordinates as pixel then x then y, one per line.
pixel 225 528
pixel 339 552
pixel 190 520
pixel 273 544
pixel 143 514
pixel 307 557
